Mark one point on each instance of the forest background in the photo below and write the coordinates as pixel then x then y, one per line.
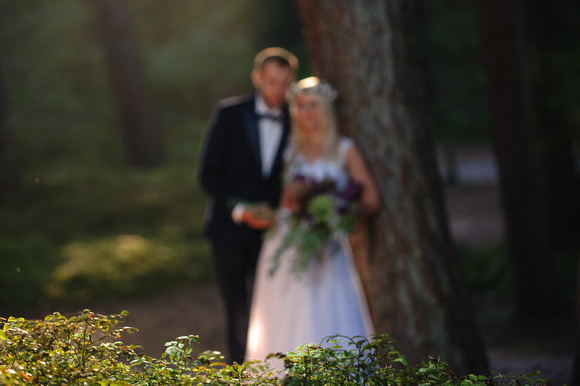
pixel 80 223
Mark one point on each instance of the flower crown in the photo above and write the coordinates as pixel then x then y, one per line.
pixel 313 86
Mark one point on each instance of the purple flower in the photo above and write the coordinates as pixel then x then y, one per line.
pixel 343 208
pixel 352 192
pixel 299 178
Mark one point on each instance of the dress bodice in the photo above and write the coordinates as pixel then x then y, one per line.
pixel 321 168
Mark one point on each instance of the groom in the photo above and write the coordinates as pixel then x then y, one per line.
pixel 241 165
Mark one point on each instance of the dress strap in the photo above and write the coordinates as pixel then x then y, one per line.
pixel 344 145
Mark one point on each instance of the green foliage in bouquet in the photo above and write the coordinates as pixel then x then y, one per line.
pixel 87 350
pixel 325 214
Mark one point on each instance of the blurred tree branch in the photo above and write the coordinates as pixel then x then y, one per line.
pixel 140 131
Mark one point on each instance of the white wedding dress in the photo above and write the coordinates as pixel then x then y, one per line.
pixel 289 310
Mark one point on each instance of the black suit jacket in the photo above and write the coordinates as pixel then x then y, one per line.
pixel 231 167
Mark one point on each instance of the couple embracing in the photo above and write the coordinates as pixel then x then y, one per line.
pixel 282 167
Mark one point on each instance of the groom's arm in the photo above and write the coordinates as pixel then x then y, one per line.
pixel 214 164
pixel 213 159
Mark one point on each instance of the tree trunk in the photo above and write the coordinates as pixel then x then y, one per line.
pixel 10 170
pixel 553 44
pixel 140 131
pixel 576 365
pixel 370 51
pixel 533 269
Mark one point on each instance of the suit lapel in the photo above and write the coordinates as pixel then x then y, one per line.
pixel 250 123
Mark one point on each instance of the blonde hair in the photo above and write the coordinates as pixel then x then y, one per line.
pixel 324 94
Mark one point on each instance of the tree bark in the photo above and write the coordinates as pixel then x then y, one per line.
pixel 370 51
pixel 533 269
pixel 140 131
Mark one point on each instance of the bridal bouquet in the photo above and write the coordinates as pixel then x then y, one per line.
pixel 321 212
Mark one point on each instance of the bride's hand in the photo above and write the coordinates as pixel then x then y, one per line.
pixel 370 200
pixel 289 197
pixel 259 217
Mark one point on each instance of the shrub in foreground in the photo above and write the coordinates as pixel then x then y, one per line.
pixel 87 350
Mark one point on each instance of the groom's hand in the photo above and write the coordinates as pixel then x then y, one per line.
pixel 258 217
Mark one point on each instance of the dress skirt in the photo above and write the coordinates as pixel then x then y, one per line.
pixel 292 308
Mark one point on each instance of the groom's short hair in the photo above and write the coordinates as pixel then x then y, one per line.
pixel 277 55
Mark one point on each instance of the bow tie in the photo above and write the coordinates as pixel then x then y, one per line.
pixel 276 118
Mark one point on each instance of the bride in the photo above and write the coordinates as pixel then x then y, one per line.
pixel 291 308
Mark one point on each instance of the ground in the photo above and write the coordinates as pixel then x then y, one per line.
pixel 475 219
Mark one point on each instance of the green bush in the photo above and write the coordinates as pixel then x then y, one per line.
pixel 124 265
pixel 87 350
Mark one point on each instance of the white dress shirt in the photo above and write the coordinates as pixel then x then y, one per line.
pixel 270 134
